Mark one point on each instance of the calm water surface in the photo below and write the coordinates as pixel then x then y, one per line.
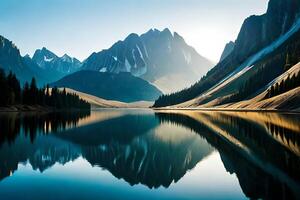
pixel 142 154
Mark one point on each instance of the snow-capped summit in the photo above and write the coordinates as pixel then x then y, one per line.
pixel 48 60
pixel 160 57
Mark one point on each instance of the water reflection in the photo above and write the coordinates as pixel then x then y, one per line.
pixel 262 149
pixel 158 149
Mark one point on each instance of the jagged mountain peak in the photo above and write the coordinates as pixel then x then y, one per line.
pixel 229 47
pixel 67 58
pixel 45 54
pixel 167 32
pixel 156 56
pixel 154 32
pixel 46 59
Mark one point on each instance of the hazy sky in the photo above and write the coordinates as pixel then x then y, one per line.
pixel 80 27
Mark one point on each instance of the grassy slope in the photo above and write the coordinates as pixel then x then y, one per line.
pixel 287 101
pixel 97 102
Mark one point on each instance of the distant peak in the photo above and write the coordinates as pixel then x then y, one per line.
pixel 45 50
pixel 27 56
pixel 178 37
pixel 132 36
pixel 167 32
pixel 66 56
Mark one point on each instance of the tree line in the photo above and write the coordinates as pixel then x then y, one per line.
pixel 30 94
pixel 283 86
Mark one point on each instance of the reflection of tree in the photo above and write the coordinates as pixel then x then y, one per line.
pixel 33 124
pixel 127 146
pixel 266 162
pixel 278 179
pixel 9 127
pixel 42 152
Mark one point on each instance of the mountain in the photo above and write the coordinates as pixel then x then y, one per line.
pixel 11 60
pixel 45 66
pixel 110 86
pixel 267 46
pixel 227 50
pixel 49 61
pixel 260 31
pixel 159 57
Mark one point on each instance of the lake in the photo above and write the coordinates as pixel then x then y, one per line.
pixel 145 154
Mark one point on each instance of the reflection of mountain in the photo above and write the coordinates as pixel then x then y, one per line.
pixel 149 159
pixel 139 150
pixel 122 129
pixel 260 148
pixel 261 163
pixel 135 147
pixel 43 153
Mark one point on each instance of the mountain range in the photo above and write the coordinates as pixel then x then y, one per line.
pixel 160 57
pixel 266 48
pixel 45 66
pixel 48 60
pixel 258 68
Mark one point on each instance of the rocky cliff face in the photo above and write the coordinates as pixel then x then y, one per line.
pixel 259 31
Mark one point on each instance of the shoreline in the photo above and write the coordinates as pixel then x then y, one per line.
pixel 229 110
pixel 43 109
pixel 35 108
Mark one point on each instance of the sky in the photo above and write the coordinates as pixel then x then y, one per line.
pixel 81 27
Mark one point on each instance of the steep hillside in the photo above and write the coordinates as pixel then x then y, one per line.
pixel 11 60
pixel 245 71
pixel 120 87
pixel 288 99
pixel 159 57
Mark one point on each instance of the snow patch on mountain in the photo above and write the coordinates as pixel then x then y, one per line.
pixel 187 57
pixel 104 69
pixel 127 65
pixel 140 52
pixel 47 59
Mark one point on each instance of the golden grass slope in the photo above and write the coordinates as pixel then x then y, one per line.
pixel 97 102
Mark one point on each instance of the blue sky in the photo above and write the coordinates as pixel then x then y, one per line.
pixel 80 27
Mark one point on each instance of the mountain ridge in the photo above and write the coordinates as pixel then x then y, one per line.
pixel 153 56
pixel 65 64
